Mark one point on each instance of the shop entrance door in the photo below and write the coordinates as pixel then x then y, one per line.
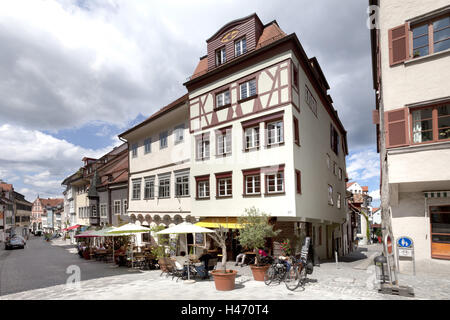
pixel 440 232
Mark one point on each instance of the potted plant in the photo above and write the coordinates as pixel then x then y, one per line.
pixel 253 236
pixel 224 279
pixel 160 250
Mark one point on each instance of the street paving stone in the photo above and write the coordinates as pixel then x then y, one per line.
pixel 328 281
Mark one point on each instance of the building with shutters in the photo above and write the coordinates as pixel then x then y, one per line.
pixel 264 133
pixel 411 68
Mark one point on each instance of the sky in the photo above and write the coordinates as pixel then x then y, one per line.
pixel 76 73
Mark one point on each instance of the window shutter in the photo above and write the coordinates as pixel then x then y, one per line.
pixel 398 44
pixel 396 128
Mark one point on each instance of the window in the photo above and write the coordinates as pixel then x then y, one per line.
pixel 148 145
pixel 335 168
pixel 431 37
pixel 248 89
pixel 223 99
pixel 125 206
pixel 103 210
pixel 164 186
pixel 340 174
pixel 275 182
pixel 182 184
pixel 117 206
pixel 149 188
pixel 251 137
pixel 295 75
pixel 338 200
pixel 136 189
pixel 296 132
pixel 334 139
pixel 431 124
pixel 275 132
pixel 179 133
pixel 221 56
pixel 202 187
pixel 298 181
pixel 330 195
pixel 310 101
pixel 252 181
pixel 224 184
pixel 202 142
pixel 163 140
pixel 328 161
pixel 134 150
pixel 223 141
pixel 240 47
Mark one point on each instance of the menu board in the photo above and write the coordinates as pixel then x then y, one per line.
pixel 199 238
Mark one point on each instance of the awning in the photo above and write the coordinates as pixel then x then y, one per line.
pixel 72 227
pixel 216 222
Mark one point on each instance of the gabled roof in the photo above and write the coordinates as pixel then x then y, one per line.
pixel 350 184
pixel 6 187
pixel 231 24
pixel 172 106
pixel 365 188
pixel 51 202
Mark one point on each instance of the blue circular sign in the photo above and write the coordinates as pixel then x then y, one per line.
pixel 404 242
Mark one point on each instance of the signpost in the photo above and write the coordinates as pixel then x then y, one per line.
pixel 405 248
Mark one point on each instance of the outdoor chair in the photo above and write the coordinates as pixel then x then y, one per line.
pixel 175 272
pixel 165 266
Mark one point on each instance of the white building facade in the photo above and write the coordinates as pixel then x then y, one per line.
pixel 411 67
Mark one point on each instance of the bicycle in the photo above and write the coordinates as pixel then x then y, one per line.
pixel 276 271
pixel 296 276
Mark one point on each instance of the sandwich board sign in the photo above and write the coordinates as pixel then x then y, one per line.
pixel 405 248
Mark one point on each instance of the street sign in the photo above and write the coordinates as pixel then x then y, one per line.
pixel 405 242
pixel 405 249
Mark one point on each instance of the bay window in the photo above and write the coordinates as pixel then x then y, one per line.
pixel 431 124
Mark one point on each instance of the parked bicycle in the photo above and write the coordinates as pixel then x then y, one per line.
pixel 300 268
pixel 276 272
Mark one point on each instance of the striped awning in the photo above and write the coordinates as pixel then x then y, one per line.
pixel 437 194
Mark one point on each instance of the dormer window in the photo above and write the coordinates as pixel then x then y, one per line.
pixel 221 56
pixel 240 47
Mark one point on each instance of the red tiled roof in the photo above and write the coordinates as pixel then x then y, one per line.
pixel 350 184
pixel 365 188
pixel 270 33
pixel 6 187
pixel 51 202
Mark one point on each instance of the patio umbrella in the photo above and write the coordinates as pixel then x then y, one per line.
pixel 86 234
pixel 185 228
pixel 103 233
pixel 128 229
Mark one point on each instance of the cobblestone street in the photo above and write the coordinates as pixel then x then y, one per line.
pixel 351 279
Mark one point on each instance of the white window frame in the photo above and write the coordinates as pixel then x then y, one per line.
pixel 340 174
pixel 163 137
pixel 277 131
pixel 179 133
pixel 103 210
pixel 223 142
pixel 330 195
pixel 117 205
pixel 253 134
pixel 227 183
pixel 203 189
pixel 247 89
pixel 240 47
pixel 223 98
pixel 125 205
pixel 338 200
pixel 183 180
pixel 203 146
pixel 164 185
pixel 136 182
pixel 276 177
pixel 253 184
pixel 148 145
pixel 151 182
pixel 221 56
pixel 134 152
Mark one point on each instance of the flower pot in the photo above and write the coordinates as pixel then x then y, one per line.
pixel 162 262
pixel 224 281
pixel 259 272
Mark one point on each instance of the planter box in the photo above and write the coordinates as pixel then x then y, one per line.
pixel 259 272
pixel 224 281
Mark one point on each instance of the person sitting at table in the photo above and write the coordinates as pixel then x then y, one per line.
pixel 202 266
pixel 180 262
pixel 118 253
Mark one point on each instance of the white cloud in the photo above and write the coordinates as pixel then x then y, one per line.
pixel 375 195
pixel 363 165
pixel 42 161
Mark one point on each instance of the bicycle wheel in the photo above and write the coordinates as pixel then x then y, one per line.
pixel 269 275
pixel 292 278
pixel 302 275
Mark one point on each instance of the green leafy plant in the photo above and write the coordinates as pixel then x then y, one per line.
pixel 162 248
pixel 286 247
pixel 255 231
